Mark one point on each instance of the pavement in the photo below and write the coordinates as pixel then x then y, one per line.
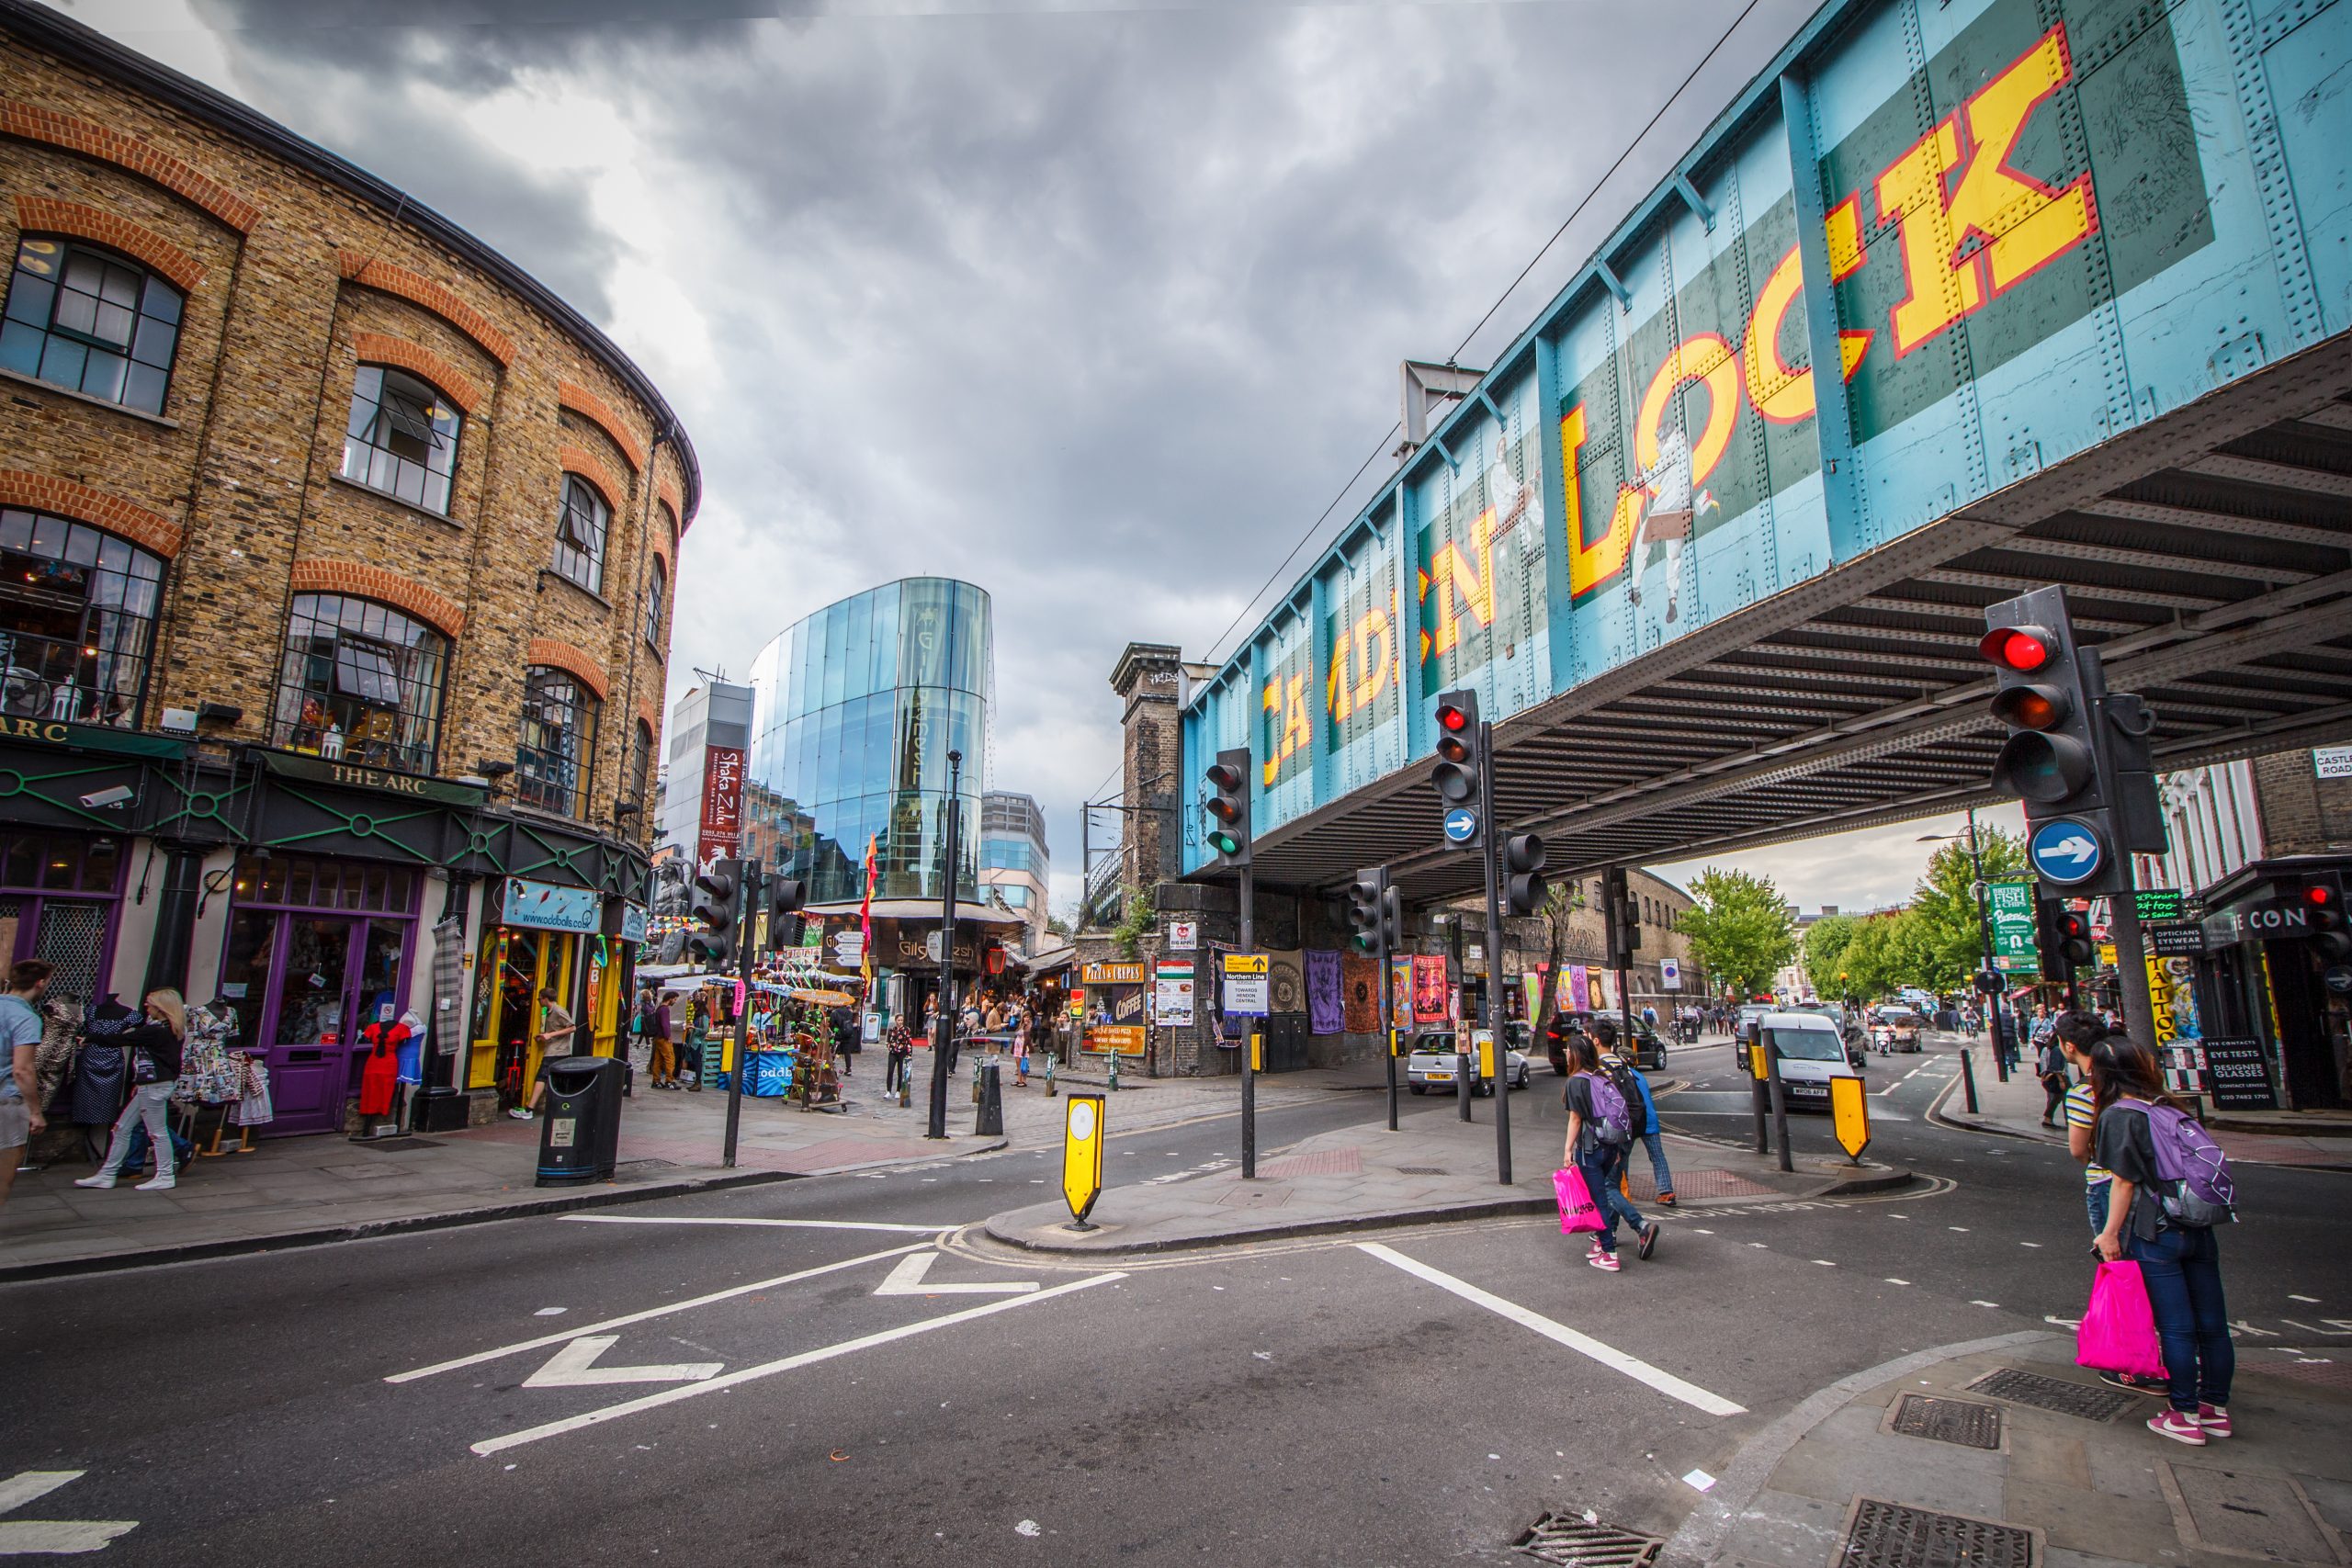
pixel 2014 1110
pixel 305 1190
pixel 1875 1461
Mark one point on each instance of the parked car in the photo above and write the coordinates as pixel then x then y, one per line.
pixel 1649 1050
pixel 1432 1064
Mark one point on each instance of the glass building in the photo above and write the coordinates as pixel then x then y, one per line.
pixel 857 707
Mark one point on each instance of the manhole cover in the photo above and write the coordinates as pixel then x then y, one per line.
pixel 1256 1198
pixel 1420 1170
pixel 2090 1400
pixel 1895 1535
pixel 1569 1540
pixel 1960 1421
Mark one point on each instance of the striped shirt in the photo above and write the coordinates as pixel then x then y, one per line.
pixel 2082 1111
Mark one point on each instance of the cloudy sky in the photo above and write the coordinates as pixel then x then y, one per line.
pixel 1067 299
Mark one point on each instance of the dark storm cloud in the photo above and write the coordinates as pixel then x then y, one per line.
pixel 1069 301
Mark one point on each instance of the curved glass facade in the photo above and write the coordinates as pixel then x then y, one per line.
pixel 857 709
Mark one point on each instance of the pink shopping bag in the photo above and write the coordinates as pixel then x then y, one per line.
pixel 1577 1211
pixel 2119 1327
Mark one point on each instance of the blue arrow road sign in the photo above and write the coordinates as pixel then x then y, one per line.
pixel 2064 851
pixel 1461 824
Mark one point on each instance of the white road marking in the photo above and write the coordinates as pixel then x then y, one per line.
pixel 2032 1244
pixel 1978 1304
pixel 575 1366
pixel 2242 1327
pixel 549 1312
pixel 624 1321
pixel 807 1358
pixel 25 1538
pixel 2313 1300
pixel 781 1225
pixel 906 1278
pixel 2062 1322
pixel 1824 1263
pixel 1609 1356
pixel 1893 1281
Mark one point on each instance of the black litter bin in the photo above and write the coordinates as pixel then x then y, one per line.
pixel 579 1137
pixel 988 1088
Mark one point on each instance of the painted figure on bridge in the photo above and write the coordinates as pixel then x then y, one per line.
pixel 1670 515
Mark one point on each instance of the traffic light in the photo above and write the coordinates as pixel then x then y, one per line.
pixel 1227 806
pixel 1366 895
pixel 1522 874
pixel 2064 939
pixel 785 894
pixel 2323 908
pixel 1392 920
pixel 2076 754
pixel 1623 916
pixel 717 904
pixel 1459 787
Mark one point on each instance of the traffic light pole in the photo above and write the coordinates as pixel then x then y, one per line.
pixel 1387 1013
pixel 1489 855
pixel 752 884
pixel 2132 966
pixel 1250 1036
pixel 945 1021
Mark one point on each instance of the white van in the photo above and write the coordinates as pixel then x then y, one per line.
pixel 1811 1052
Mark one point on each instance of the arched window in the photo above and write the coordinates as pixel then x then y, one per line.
pixel 555 759
pixel 91 322
pixel 657 595
pixel 641 770
pixel 360 681
pixel 580 531
pixel 402 437
pixel 77 621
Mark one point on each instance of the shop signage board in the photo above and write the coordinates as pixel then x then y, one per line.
pixel 1172 999
pixel 2174 941
pixel 548 908
pixel 2160 904
pixel 633 921
pixel 1183 936
pixel 2183 1062
pixel 722 803
pixel 1248 984
pixel 2009 906
pixel 2332 761
pixel 1115 1010
pixel 329 771
pixel 2237 1073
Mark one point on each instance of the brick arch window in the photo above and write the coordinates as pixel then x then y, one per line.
pixel 657 600
pixel 90 320
pixel 360 682
pixel 555 755
pixel 581 524
pixel 402 437
pixel 77 620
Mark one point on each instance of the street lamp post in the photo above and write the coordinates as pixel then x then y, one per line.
pixel 1984 940
pixel 945 1021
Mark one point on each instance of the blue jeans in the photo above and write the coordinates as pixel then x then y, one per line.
pixel 2183 1270
pixel 1601 1168
pixel 1659 1174
pixel 2094 1200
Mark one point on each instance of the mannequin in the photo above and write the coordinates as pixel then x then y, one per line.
pixel 379 1076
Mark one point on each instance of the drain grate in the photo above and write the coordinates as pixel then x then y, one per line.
pixel 1895 1535
pixel 1422 1170
pixel 1960 1421
pixel 1573 1542
pixel 2090 1400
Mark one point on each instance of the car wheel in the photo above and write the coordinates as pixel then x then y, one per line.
pixel 1417 1089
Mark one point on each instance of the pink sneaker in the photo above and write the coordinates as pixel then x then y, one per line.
pixel 1608 1261
pixel 2215 1419
pixel 2180 1426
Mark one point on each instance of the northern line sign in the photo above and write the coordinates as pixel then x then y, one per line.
pixel 1996 222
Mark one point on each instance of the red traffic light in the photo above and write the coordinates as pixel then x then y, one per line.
pixel 2319 895
pixel 1452 717
pixel 2021 649
pixel 1225 778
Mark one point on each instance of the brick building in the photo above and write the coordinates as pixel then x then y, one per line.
pixel 336 557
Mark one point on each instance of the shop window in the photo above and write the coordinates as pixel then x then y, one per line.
pixel 402 437
pixel 579 530
pixel 554 761
pixel 58 893
pixel 77 621
pixel 90 322
pixel 657 593
pixel 360 682
pixel 640 767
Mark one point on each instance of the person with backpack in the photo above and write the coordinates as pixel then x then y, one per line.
pixel 1627 1077
pixel 2171 1185
pixel 1600 1128
pixel 2050 1067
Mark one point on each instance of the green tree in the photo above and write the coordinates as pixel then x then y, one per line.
pixel 1825 941
pixel 1740 928
pixel 1945 902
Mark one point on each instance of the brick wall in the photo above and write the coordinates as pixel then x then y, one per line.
pixel 2302 814
pixel 292 281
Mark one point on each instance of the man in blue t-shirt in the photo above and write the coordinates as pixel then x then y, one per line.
pixel 20 1032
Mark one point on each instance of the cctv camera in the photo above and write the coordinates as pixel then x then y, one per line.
pixel 115 795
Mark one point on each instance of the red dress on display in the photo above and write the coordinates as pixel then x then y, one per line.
pixel 377 1079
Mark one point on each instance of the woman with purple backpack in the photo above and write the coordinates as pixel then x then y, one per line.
pixel 1599 1133
pixel 2165 1224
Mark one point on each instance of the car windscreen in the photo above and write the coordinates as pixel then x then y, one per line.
pixel 1808 1044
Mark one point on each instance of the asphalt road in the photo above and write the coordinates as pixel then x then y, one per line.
pixel 810 1393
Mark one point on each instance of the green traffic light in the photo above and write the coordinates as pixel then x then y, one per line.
pixel 1224 843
